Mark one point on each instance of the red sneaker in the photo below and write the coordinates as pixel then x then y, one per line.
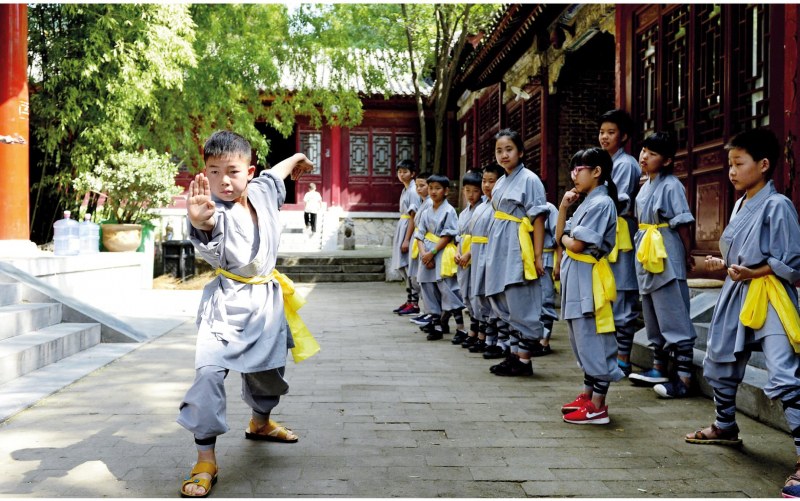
pixel 575 404
pixel 410 309
pixel 588 414
pixel 401 307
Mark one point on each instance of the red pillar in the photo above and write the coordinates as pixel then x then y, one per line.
pixel 14 188
pixel 336 165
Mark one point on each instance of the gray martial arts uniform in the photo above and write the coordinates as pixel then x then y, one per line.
pixel 413 264
pixel 439 294
pixel 241 327
pixel 463 274
pixel 514 300
pixel 625 174
pixel 594 223
pixel 549 314
pixel 665 295
pixel 765 229
pixel 484 215
pixel 409 202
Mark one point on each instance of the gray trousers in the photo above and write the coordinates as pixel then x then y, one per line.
pixel 203 408
pixel 596 353
pixel 441 296
pixel 520 306
pixel 666 317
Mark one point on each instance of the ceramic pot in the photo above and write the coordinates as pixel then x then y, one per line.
pixel 121 237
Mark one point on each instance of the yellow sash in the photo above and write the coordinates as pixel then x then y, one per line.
pixel 556 257
pixel 623 242
pixel 305 345
pixel 769 289
pixel 405 216
pixel 525 243
pixel 449 266
pixel 414 248
pixel 466 243
pixel 651 251
pixel 604 291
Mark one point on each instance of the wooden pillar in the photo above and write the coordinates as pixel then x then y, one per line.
pixel 791 118
pixel 336 165
pixel 14 188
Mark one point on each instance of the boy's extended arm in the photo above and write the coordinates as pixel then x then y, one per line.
pixel 296 165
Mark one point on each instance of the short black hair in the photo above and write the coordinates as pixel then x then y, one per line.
pixel 495 169
pixel 514 137
pixel 759 143
pixel 425 175
pixel 472 178
pixel 407 164
pixel 620 118
pixel 665 145
pixel 439 178
pixel 224 143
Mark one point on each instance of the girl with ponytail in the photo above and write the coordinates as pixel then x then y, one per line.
pixel 587 283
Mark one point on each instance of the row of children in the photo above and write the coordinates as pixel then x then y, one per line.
pixel 622 243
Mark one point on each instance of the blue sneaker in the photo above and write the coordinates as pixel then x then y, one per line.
pixel 648 378
pixel 625 367
pixel 672 389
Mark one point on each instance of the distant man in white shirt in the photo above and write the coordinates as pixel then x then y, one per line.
pixel 313 203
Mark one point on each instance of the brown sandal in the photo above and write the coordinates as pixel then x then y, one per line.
pixel 721 437
pixel 205 483
pixel 271 432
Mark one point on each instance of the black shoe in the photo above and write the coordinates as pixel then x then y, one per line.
pixel 422 320
pixel 494 351
pixel 539 351
pixel 469 341
pixel 504 363
pixel 515 368
pixel 478 347
pixel 435 332
pixel 459 338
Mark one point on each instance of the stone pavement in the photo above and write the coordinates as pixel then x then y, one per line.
pixel 381 413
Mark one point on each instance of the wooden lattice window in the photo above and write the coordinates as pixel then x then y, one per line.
pixel 488 124
pixel 405 148
pixel 750 66
pixel 359 154
pixel 515 118
pixel 311 146
pixel 709 67
pixel 646 84
pixel 533 115
pixel 676 73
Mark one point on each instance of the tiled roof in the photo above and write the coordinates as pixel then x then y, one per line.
pixel 393 65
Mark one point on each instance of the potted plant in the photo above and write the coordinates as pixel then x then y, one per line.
pixel 132 184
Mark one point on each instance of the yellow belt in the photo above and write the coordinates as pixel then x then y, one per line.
pixel 525 243
pixel 623 242
pixel 414 248
pixel 405 216
pixel 604 290
pixel 449 266
pixel 305 345
pixel 766 290
pixel 651 251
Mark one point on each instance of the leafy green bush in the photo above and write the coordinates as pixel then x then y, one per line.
pixel 133 182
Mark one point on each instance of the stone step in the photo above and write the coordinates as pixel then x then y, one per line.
pixel 19 319
pixel 335 277
pixel 9 294
pixel 313 260
pixel 25 391
pixel 25 353
pixel 332 268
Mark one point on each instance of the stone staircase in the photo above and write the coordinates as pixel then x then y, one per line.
pixel 332 268
pixel 295 237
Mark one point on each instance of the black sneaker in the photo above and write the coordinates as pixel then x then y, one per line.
pixel 459 338
pixel 435 332
pixel 494 351
pixel 539 351
pixel 478 347
pixel 515 368
pixel 504 363
pixel 469 342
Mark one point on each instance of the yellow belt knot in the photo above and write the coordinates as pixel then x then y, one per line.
pixel 305 345
pixel 414 248
pixel 466 245
pixel 525 243
pixel 604 290
pixel 405 216
pixel 769 290
pixel 449 267
pixel 651 251
pixel 623 242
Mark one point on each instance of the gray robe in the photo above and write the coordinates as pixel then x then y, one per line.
pixel 409 202
pixel 442 222
pixel 763 230
pixel 519 194
pixel 595 223
pixel 243 327
pixel 464 224
pixel 413 264
pixel 625 174
pixel 484 215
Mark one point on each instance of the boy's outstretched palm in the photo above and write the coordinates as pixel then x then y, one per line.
pixel 200 206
